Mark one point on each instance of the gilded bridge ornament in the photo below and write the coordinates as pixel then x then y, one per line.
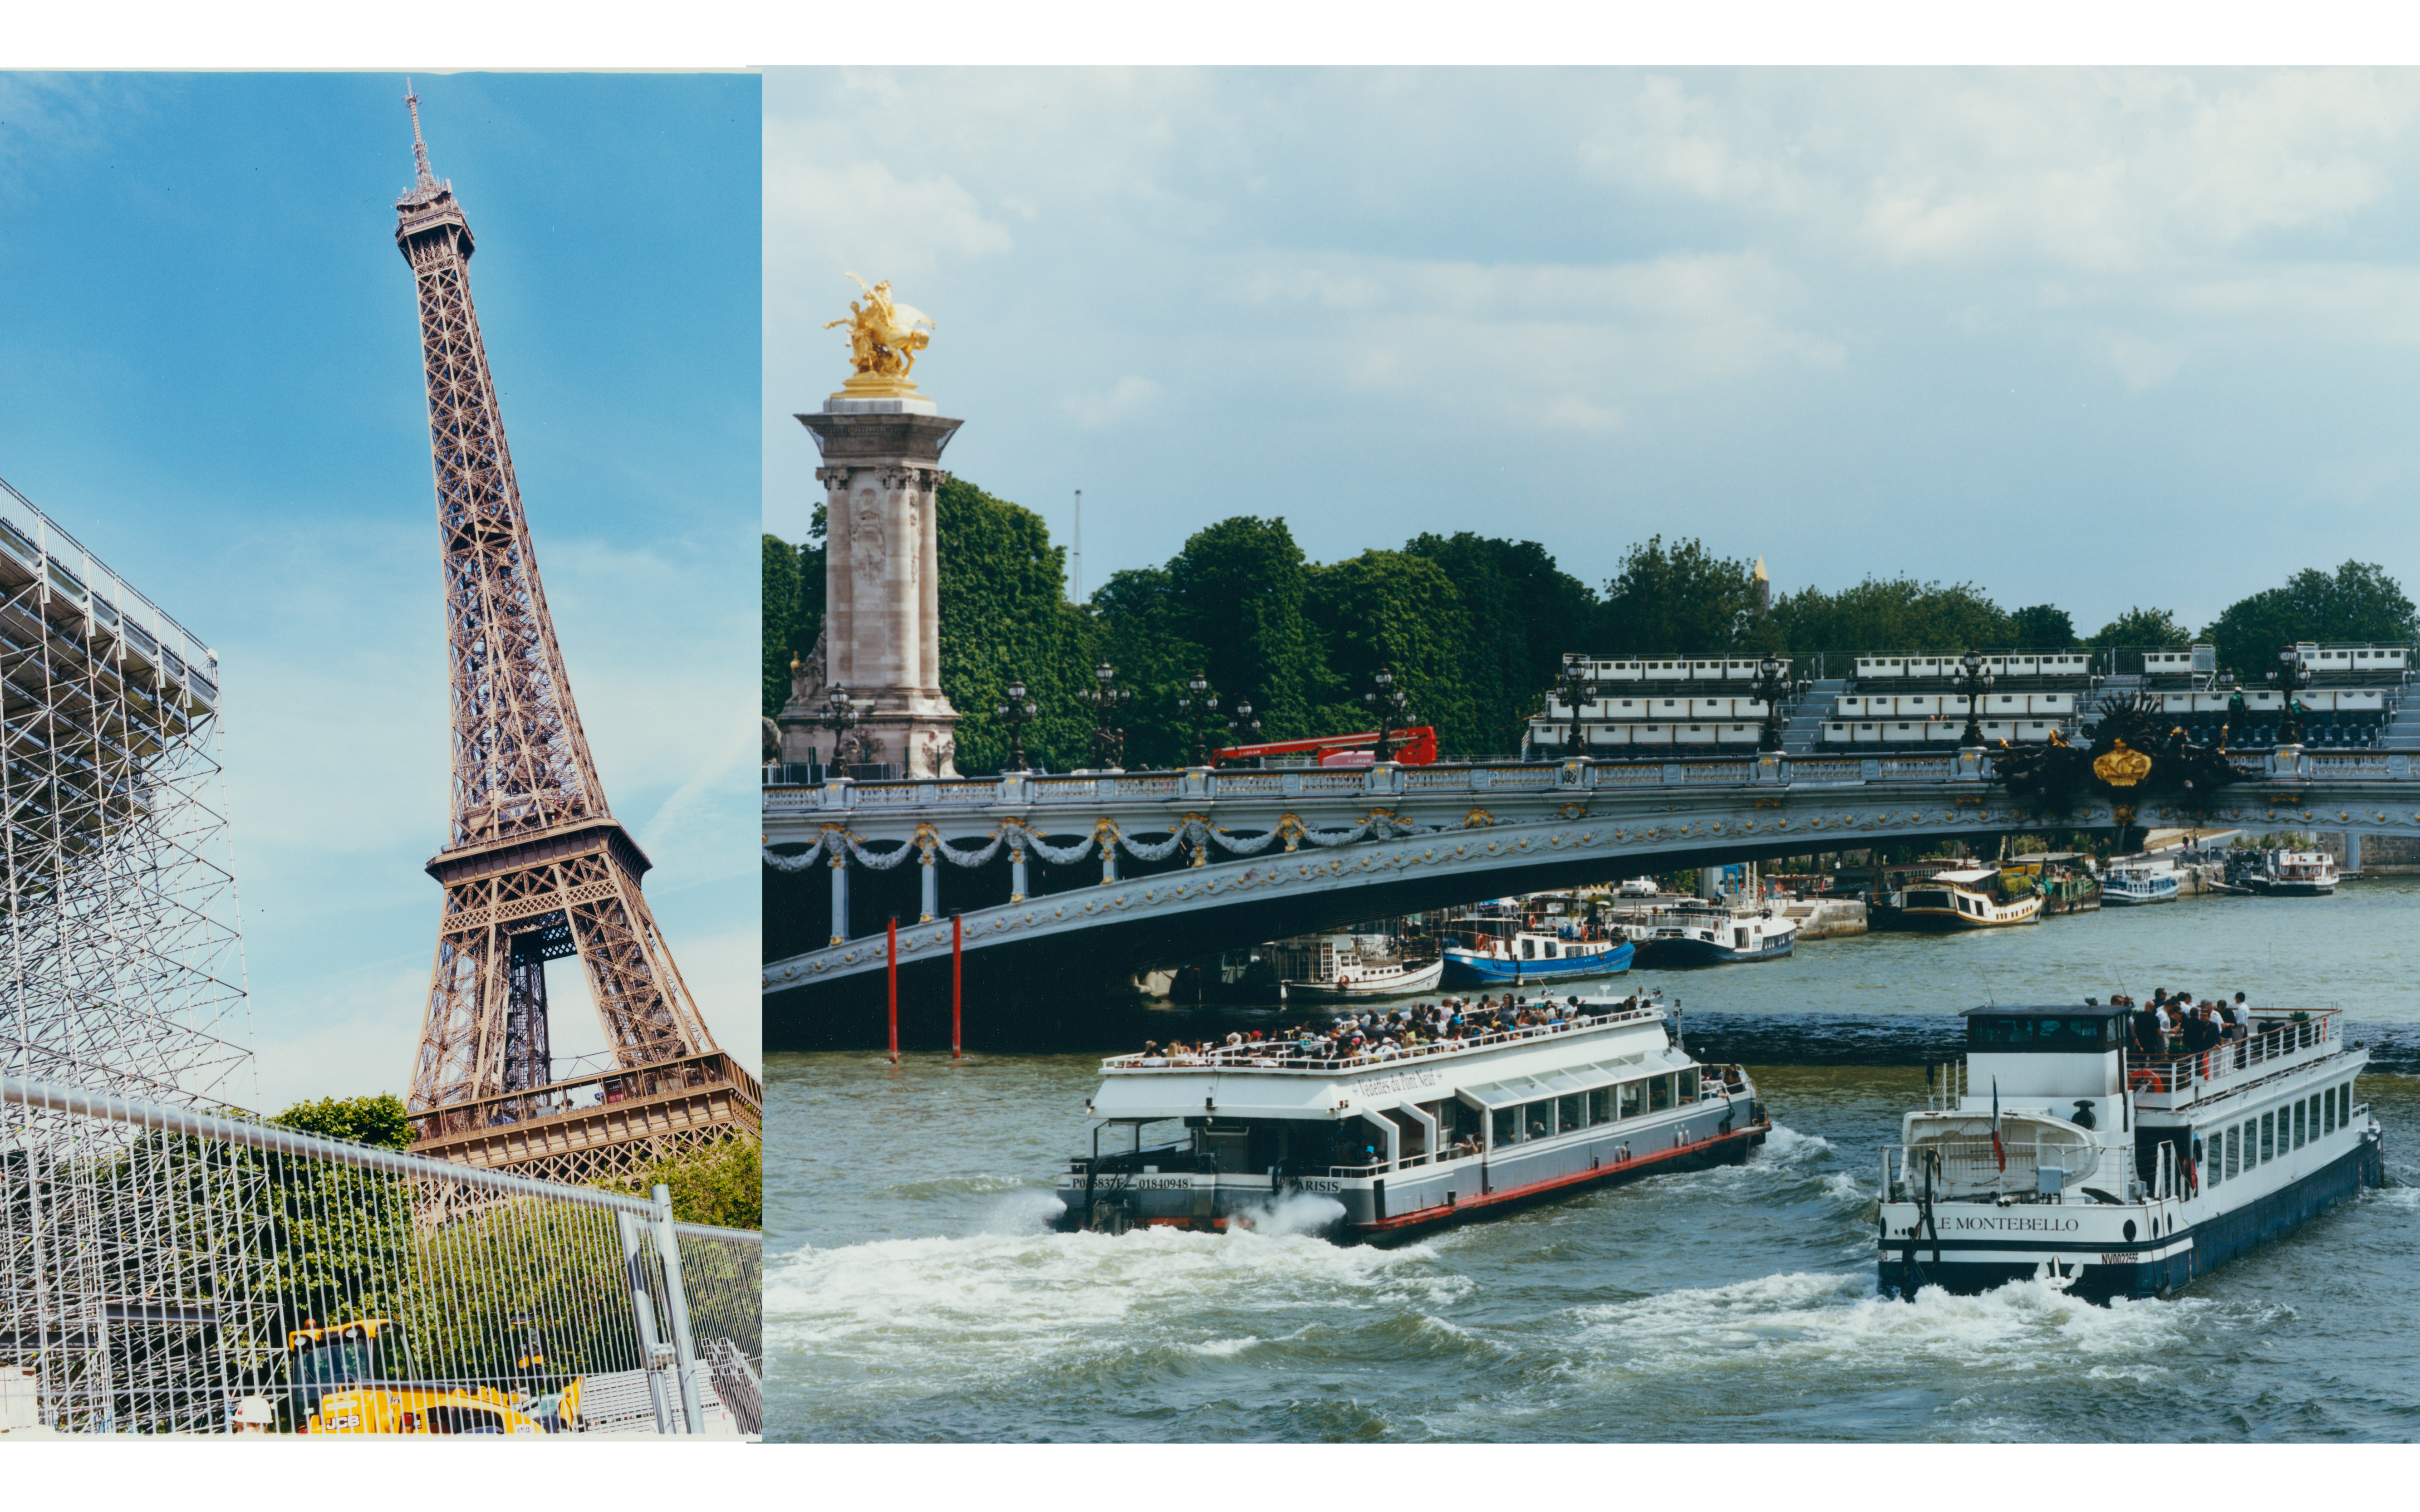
pixel 883 341
pixel 2123 765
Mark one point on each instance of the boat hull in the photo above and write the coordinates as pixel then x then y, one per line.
pixel 1667 954
pixel 2112 898
pixel 1949 921
pixel 2111 1268
pixel 1418 1200
pixel 2293 889
pixel 1399 984
pixel 1468 968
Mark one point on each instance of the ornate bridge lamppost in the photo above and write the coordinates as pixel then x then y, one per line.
pixel 1015 714
pixel 1769 689
pixel 2292 675
pixel 1574 690
pixel 1103 698
pixel 1241 723
pixel 1973 682
pixel 1393 708
pixel 1200 702
pixel 839 716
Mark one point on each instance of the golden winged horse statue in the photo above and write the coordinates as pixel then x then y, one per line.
pixel 883 338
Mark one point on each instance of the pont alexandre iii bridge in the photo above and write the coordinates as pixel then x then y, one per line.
pixel 1065 885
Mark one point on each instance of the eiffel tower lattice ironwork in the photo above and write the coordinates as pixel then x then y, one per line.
pixel 535 867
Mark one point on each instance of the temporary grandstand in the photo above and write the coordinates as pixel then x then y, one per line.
pixel 1654 708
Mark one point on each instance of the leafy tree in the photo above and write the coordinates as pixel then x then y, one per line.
pixel 1239 587
pixel 1889 614
pixel 1004 613
pixel 2141 628
pixel 723 1184
pixel 1522 613
pixel 379 1120
pixel 1393 609
pixel 2359 602
pixel 781 612
pixel 1678 598
pixel 1137 622
pixel 2041 628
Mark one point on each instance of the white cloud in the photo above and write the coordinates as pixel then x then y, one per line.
pixel 1122 402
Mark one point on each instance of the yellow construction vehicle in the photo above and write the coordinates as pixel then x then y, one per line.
pixel 360 1378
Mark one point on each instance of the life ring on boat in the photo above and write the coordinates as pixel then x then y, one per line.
pixel 2143 1081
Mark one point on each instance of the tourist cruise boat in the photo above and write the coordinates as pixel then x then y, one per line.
pixel 1713 934
pixel 1968 898
pixel 1334 967
pixel 1410 1144
pixel 2053 1150
pixel 2133 883
pixel 2294 875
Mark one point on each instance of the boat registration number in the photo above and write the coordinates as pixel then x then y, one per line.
pixel 2119 1260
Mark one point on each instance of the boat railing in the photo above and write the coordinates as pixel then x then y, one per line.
pixel 2169 1075
pixel 1288 1055
pixel 1971 1170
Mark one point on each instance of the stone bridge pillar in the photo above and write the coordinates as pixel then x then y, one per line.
pixel 882 607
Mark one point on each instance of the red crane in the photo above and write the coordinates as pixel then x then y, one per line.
pixel 1413 745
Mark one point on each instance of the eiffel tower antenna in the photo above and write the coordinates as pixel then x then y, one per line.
pixel 535 867
pixel 419 147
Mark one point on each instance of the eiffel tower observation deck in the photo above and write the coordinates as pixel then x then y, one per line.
pixel 535 867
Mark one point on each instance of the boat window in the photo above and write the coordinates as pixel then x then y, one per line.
pixel 2209 1151
pixel 1528 950
pixel 2327 1111
pixel 2302 1116
pixel 1567 1114
pixel 2234 1152
pixel 1659 1093
pixel 1689 1085
pixel 1634 1099
pixel 1600 1105
pixel 1508 1127
pixel 1538 1118
pixel 2343 1103
pixel 2268 1137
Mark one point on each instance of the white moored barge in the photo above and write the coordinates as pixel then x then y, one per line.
pixel 1441 1134
pixel 2125 1176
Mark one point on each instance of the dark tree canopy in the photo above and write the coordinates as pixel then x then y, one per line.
pixel 1239 587
pixel 2141 629
pixel 1004 612
pixel 1521 615
pixel 1678 598
pixel 2042 627
pixel 1393 609
pixel 1889 615
pixel 2358 603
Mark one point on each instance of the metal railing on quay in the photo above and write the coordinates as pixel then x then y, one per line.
pixel 168 1271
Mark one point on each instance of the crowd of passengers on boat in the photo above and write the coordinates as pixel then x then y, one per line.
pixel 2177 1026
pixel 1425 1028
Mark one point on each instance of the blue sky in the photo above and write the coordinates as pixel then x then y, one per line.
pixel 2090 337
pixel 210 373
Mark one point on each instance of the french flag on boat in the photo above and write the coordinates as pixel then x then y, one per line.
pixel 1999 1150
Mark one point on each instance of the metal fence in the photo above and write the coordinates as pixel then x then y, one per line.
pixel 168 1271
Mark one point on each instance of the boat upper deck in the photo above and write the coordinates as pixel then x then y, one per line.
pixel 1317 1060
pixel 2278 1044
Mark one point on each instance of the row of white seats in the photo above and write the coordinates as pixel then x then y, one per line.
pixel 1654 732
pixel 2047 664
pixel 1676 669
pixel 1699 709
pixel 1933 731
pixel 2269 700
pixel 1936 705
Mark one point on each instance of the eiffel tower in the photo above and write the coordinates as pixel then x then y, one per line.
pixel 535 867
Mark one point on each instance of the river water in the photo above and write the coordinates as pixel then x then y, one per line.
pixel 913 1292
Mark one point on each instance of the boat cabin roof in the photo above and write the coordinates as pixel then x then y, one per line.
pixel 1977 873
pixel 2085 1010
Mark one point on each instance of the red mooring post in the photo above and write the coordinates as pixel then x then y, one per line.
pixel 957 958
pixel 895 989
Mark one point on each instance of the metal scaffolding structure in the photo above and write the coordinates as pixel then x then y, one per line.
pixel 536 866
pixel 125 964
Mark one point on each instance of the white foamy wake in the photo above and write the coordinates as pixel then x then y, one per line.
pixel 1296 1213
pixel 1836 1321
pixel 951 1309
pixel 1785 1146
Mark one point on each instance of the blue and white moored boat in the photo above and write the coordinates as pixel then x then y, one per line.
pixel 2138 881
pixel 2054 1151
pixel 1512 957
